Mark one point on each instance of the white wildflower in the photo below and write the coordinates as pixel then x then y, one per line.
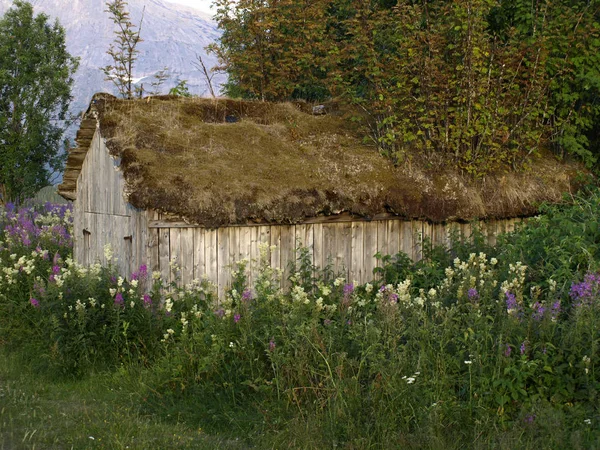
pixel 368 287
pixel 108 253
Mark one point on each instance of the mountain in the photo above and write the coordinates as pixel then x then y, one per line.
pixel 172 36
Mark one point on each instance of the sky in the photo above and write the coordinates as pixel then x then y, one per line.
pixel 202 5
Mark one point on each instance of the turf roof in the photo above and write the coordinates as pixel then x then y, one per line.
pixel 220 162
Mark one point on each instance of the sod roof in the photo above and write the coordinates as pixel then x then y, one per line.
pixel 220 162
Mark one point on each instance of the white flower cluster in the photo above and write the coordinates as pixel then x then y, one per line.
pixel 516 279
pixel 412 379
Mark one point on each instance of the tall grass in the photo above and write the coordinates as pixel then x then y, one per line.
pixel 475 346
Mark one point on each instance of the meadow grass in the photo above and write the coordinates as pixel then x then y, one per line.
pixel 100 411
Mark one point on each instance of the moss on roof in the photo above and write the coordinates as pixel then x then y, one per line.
pixel 218 162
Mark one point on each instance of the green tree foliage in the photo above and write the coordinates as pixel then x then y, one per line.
pixel 35 90
pixel 273 50
pixel 571 35
pixel 123 50
pixel 485 84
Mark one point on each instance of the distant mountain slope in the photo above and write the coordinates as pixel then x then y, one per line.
pixel 172 35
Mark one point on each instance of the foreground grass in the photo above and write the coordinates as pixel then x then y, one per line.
pixel 101 411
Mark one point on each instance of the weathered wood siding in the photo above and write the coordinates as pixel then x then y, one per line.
pixel 348 247
pixel 102 216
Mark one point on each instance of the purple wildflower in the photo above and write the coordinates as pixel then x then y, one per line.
pixel 220 313
pixel 143 271
pixel 147 301
pixel 555 310
pixel 141 274
pixel 512 307
pixel 119 299
pixel 271 345
pixel 327 322
pixel 538 311
pixel 473 294
pixel 34 302
pixel 382 288
pixel 529 419
pixel 523 348
pixel 507 351
pixel 55 269
pixel 349 322
pixel 393 298
pixel 236 318
pixel 348 289
pixel 585 292
pixel 247 295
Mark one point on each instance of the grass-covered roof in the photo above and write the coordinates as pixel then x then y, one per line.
pixel 219 162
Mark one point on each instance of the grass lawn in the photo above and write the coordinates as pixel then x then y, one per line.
pixel 99 412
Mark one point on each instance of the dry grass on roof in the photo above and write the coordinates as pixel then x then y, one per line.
pixel 229 161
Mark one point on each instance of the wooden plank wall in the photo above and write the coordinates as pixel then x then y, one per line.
pixel 349 248
pixel 101 210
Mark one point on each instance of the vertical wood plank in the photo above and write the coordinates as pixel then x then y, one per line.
pixel 288 251
pixel 234 245
pixel 199 270
pixel 152 245
pixel 407 240
pixel 318 246
pixel 223 266
pixel 382 237
pixel 357 269
pixel 264 237
pixel 187 255
pixel 211 256
pixel 254 255
pixel 329 247
pixel 370 248
pixel 417 233
pixel 164 247
pixel 393 232
pixel 344 248
pixel 427 239
pixel 300 235
pixel 175 254
pixel 245 243
pixel 245 250
pixel 276 252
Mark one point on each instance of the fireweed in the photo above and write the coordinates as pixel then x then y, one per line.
pixel 367 361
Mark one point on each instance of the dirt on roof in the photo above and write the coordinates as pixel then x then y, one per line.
pixel 220 162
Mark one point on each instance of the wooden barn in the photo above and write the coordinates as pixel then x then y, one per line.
pixel 204 182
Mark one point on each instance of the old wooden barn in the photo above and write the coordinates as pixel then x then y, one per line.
pixel 203 182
